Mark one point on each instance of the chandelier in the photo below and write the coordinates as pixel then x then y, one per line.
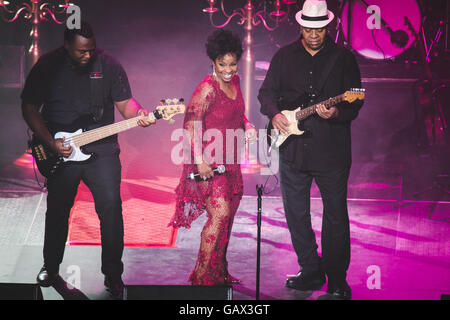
pixel 35 11
pixel 253 14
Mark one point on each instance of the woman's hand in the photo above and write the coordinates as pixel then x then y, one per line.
pixel 250 133
pixel 205 171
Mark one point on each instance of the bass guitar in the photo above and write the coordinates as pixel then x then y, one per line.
pixel 48 162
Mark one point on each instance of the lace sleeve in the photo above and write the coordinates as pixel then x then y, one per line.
pixel 194 123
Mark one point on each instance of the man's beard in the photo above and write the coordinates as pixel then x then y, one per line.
pixel 82 68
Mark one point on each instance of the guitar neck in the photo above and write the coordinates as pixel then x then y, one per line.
pixel 305 113
pixel 109 130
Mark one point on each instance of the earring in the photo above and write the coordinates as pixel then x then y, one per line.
pixel 214 72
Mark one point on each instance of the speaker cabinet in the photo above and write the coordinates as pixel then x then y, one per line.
pixel 20 291
pixel 182 292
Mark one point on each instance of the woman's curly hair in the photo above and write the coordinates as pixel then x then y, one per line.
pixel 221 42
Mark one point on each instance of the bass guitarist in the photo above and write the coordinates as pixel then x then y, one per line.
pixel 315 67
pixel 79 81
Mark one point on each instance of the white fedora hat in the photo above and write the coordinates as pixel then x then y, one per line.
pixel 314 14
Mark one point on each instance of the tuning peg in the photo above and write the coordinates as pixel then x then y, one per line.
pixel 162 101
pixel 171 121
pixel 181 100
pixel 175 101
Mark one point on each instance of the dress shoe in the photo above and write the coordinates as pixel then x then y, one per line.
pixel 114 286
pixel 337 292
pixel 232 280
pixel 306 280
pixel 46 278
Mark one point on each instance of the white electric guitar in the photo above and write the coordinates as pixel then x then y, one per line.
pixel 275 138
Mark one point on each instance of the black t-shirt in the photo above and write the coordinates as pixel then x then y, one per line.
pixel 63 89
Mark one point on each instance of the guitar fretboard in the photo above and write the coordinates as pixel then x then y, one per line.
pixel 305 113
pixel 106 131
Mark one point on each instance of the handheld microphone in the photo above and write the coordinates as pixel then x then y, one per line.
pixel 219 169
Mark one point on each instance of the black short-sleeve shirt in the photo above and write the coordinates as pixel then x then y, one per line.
pixel 63 89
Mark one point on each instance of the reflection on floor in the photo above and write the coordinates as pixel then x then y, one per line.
pixel 399 250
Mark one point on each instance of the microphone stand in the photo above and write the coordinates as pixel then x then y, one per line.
pixel 259 190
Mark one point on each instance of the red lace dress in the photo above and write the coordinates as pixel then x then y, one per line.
pixel 211 113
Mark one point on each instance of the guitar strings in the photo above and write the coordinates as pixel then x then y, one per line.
pixel 105 131
pixel 100 132
pixel 303 113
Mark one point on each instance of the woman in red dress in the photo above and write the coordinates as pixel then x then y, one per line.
pixel 216 105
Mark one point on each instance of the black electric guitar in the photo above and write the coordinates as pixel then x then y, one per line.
pixel 48 162
pixel 300 112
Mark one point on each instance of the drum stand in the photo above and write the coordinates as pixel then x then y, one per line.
pixel 339 22
pixel 441 181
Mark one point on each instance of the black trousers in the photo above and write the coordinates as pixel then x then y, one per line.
pixel 102 176
pixel 295 187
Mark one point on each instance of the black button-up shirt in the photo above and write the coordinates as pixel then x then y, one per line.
pixel 293 73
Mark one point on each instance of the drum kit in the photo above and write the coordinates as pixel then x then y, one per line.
pixel 384 30
pixel 377 30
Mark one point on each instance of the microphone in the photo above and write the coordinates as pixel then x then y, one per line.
pixel 399 38
pixel 219 169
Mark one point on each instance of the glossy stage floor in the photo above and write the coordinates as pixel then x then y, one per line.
pixel 400 249
pixel 400 240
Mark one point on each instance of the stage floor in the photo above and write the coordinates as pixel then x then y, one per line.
pixel 400 242
pixel 400 250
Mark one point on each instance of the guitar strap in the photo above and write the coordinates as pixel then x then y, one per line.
pixel 326 72
pixel 96 80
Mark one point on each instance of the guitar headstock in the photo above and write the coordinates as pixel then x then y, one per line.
pixel 354 94
pixel 171 107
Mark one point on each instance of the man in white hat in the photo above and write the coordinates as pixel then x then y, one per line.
pixel 310 70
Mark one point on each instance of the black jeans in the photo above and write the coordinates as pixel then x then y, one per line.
pixel 102 176
pixel 295 187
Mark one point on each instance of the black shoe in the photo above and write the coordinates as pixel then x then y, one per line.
pixel 114 286
pixel 46 278
pixel 306 281
pixel 337 292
